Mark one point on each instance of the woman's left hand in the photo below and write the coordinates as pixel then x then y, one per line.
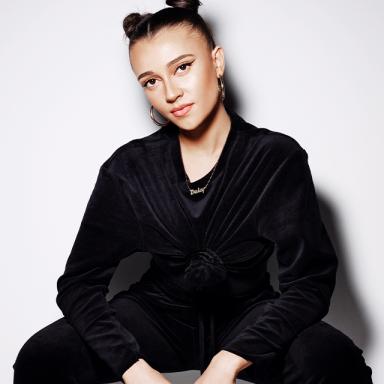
pixel 217 373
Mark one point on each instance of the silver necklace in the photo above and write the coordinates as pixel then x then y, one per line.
pixel 193 191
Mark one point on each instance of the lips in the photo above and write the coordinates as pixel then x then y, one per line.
pixel 182 110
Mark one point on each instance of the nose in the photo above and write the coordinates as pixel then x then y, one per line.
pixel 172 91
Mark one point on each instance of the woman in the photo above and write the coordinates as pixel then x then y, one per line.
pixel 211 196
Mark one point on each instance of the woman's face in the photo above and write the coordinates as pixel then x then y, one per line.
pixel 175 67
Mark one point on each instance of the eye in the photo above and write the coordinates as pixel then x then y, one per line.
pixel 152 81
pixel 184 65
pixel 145 84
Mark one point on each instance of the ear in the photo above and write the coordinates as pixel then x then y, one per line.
pixel 218 60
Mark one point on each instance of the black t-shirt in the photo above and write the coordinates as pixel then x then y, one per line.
pixel 196 202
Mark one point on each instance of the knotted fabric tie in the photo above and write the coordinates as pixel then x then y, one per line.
pixel 205 270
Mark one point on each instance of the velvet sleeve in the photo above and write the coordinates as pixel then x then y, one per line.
pixel 289 217
pixel 108 232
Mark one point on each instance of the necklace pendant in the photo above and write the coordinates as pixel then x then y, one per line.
pixel 198 190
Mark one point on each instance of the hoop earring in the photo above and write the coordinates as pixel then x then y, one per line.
pixel 154 120
pixel 221 88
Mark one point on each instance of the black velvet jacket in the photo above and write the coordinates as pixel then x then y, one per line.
pixel 261 200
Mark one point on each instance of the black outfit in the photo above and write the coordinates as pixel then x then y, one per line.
pixel 207 288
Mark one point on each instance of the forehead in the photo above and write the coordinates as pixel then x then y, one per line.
pixel 168 43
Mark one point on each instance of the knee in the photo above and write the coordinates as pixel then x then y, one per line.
pixel 25 356
pixel 322 352
pixel 49 346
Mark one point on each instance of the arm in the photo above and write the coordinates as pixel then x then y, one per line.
pixel 108 232
pixel 289 216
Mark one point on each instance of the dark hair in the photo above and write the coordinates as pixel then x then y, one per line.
pixel 137 26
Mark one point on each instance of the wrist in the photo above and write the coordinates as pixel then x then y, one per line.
pixel 131 369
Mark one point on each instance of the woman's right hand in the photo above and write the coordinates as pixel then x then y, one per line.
pixel 142 373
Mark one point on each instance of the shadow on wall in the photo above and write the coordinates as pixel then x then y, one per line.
pixel 345 312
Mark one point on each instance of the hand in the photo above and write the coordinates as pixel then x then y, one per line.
pixel 223 368
pixel 142 373
pixel 217 372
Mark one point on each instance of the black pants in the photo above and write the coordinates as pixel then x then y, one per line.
pixel 167 335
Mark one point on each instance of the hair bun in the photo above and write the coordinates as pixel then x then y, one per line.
pixel 192 5
pixel 131 22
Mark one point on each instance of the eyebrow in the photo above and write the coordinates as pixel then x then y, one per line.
pixel 173 61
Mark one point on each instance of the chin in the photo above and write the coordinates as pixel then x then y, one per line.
pixel 185 126
pixel 189 123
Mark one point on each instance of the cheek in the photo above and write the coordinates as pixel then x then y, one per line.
pixel 153 97
pixel 204 84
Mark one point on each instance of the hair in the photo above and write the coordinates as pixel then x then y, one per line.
pixel 180 12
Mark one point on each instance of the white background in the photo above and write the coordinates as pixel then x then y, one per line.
pixel 311 69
